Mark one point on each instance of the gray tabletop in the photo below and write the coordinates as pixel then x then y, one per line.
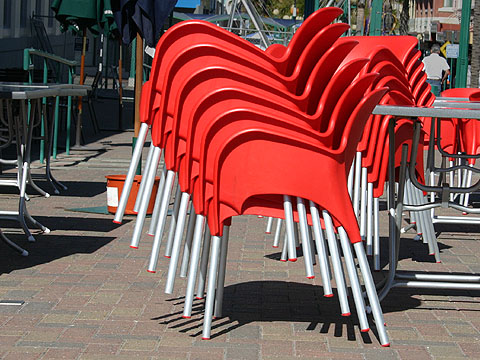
pixel 19 91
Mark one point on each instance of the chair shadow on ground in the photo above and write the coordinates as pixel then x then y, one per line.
pixel 47 248
pixel 277 301
pixel 103 224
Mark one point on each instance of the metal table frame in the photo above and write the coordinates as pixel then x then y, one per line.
pixel 29 97
pixel 396 207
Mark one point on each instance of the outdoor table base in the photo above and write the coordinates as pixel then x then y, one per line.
pixel 413 279
pixel 23 127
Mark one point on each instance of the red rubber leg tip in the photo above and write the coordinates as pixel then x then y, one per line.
pixel 464 213
pixel 384 324
pixel 267 232
pixel 328 295
pixel 214 317
pixel 134 247
pixel 419 234
pixel 117 222
pixel 432 254
pixel 311 277
pixel 377 270
pixel 151 271
pixel 413 222
pixel 346 314
pixel 298 247
pixel 283 260
pixel 439 262
pixel 186 317
pixel 275 247
pixel 365 330
pixel 205 338
pixel 168 257
pixel 386 345
pixel 198 298
pixel 151 234
pixel 293 259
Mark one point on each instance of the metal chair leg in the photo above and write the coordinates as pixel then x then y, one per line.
pixel 173 222
pixel 202 278
pixel 221 273
pixel 158 200
pixel 354 282
pixel 146 170
pixel 127 186
pixel 210 299
pixel 371 294
pixel 356 184
pixel 337 264
pixel 287 205
pixel 177 242
pixel 268 230
pixel 278 230
pixel 142 212
pixel 321 251
pixel 368 240
pixel 193 267
pixel 307 251
pixel 376 234
pixel 188 242
pixel 162 215
pixel 363 203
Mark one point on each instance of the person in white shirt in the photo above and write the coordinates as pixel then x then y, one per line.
pixel 437 68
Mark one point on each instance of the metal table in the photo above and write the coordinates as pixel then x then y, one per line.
pixel 442 108
pixel 29 98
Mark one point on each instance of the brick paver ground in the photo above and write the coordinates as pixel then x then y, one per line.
pixel 87 294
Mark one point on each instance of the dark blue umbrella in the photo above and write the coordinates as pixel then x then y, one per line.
pixel 143 16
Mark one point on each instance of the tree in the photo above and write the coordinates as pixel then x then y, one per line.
pixel 404 17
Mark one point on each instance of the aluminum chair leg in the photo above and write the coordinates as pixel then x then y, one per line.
pixel 321 251
pixel 142 212
pixel 452 178
pixel 368 240
pixel 284 255
pixel 376 234
pixel 158 200
pixel 141 188
pixel 357 179
pixel 202 278
pixel 354 282
pixel 162 215
pixel 287 205
pixel 193 267
pixel 173 222
pixel 371 294
pixel 363 204
pixel 127 186
pixel 337 264
pixel 312 244
pixel 188 242
pixel 218 312
pixel 268 230
pixel 278 230
pixel 212 277
pixel 468 184
pixel 177 242
pixel 307 251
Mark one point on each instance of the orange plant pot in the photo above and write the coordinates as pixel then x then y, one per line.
pixel 114 191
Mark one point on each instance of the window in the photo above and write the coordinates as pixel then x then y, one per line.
pixel 7 14
pixel 447 3
pixel 23 13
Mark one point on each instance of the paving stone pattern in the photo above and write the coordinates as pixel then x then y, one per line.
pixel 87 294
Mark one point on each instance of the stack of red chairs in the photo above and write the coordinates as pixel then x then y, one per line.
pixel 461 136
pixel 246 132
